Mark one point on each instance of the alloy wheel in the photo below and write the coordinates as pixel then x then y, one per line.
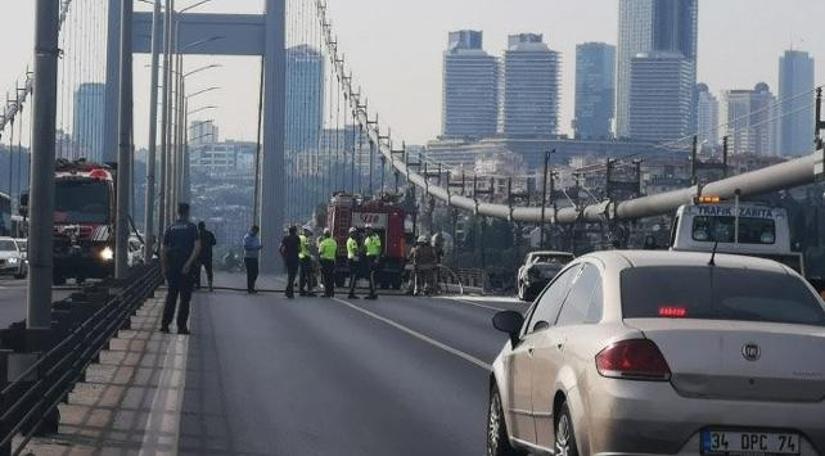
pixel 563 434
pixel 494 425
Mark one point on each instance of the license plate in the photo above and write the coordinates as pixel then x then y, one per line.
pixel 749 443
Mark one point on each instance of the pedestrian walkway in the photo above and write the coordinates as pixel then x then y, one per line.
pixel 130 403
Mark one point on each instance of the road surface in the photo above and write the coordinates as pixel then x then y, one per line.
pixel 313 376
pixel 13 300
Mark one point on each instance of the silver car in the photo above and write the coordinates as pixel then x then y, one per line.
pixel 663 353
pixel 12 259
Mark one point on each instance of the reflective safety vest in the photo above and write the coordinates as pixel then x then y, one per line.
pixel 328 249
pixel 352 249
pixel 303 253
pixel 373 245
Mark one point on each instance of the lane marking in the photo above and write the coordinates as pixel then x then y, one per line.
pixel 167 404
pixel 453 351
pixel 474 304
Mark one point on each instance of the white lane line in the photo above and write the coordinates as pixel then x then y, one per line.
pixel 474 304
pixel 162 432
pixel 453 351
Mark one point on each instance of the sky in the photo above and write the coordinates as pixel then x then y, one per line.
pixel 395 51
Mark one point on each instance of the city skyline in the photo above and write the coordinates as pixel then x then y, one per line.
pixel 411 59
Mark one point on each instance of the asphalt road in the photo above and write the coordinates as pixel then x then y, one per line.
pixel 13 300
pixel 313 376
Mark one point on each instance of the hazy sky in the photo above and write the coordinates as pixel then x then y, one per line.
pixel 395 50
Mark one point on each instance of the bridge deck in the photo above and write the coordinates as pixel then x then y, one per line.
pixel 265 375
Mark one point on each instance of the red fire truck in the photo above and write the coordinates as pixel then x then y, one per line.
pixel 84 220
pixel 387 218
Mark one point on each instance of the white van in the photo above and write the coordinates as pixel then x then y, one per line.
pixel 757 230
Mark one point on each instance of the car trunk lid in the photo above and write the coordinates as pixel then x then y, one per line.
pixel 741 360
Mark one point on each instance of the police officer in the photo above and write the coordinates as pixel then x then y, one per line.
pixel 208 241
pixel 305 258
pixel 354 259
pixel 181 247
pixel 372 245
pixel 327 252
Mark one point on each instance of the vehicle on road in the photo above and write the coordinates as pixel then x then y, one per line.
pixel 12 259
pixel 84 220
pixel 538 270
pixel 742 229
pixel 663 353
pixel 387 218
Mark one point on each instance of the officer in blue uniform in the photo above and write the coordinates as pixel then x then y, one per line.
pixel 181 247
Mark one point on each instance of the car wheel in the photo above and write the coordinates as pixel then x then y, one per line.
pixel 565 436
pixel 498 441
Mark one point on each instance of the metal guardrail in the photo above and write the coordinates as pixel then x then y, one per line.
pixel 84 325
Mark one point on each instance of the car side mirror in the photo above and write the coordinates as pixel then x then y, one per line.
pixel 509 322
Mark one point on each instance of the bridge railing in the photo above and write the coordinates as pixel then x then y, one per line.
pixel 84 325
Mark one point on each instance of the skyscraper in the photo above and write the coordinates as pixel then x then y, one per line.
pixel 304 98
pixel 707 110
pixel 796 86
pixel 750 120
pixel 87 130
pixel 470 94
pixel 595 90
pixel 653 25
pixel 661 96
pixel 531 88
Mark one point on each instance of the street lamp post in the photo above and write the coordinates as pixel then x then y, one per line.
pixel 151 165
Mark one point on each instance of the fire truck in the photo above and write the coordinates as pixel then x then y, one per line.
pixel 388 220
pixel 84 220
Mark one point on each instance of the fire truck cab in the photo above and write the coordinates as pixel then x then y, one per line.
pixel 84 220
pixel 387 218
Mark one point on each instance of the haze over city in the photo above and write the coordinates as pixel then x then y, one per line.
pixel 399 61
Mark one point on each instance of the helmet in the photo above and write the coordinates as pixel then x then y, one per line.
pixel 353 230
pixel 369 227
pixel 422 239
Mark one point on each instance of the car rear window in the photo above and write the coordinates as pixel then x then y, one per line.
pixel 715 293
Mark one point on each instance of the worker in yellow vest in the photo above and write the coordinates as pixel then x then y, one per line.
pixel 305 258
pixel 327 253
pixel 373 247
pixel 354 256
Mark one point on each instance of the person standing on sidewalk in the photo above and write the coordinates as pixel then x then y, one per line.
pixel 252 248
pixel 290 247
pixel 208 241
pixel 328 252
pixel 180 250
pixel 373 248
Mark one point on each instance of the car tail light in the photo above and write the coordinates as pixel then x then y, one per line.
pixel 637 359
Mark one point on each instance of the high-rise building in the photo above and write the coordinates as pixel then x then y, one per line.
pixel 203 132
pixel 647 26
pixel 796 86
pixel 531 87
pixel 750 121
pixel 707 113
pixel 304 97
pixel 470 94
pixel 87 131
pixel 661 97
pixel 595 90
